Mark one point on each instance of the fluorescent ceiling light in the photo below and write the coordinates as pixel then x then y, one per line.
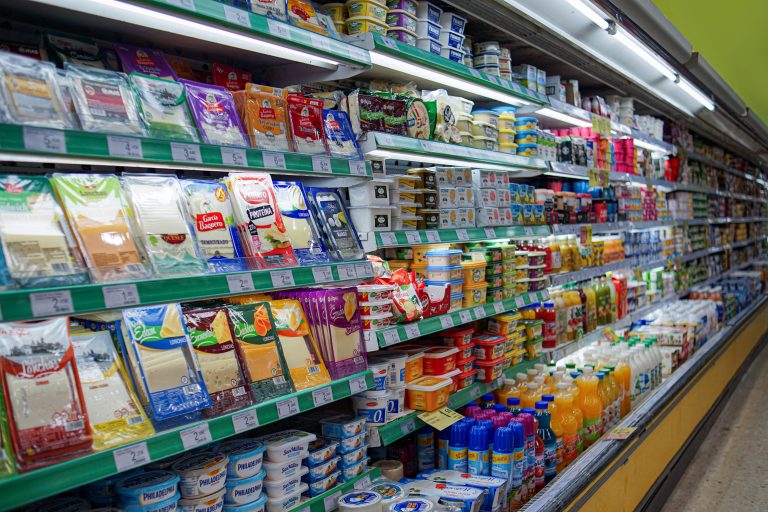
pixel 696 94
pixel 387 154
pixel 553 114
pixel 650 146
pixel 419 72
pixel 585 8
pixel 144 17
pixel 638 49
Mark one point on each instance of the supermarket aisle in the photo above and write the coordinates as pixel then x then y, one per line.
pixel 729 470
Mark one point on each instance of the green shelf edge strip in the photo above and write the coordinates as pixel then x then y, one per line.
pixel 405 332
pixel 326 502
pixel 88 298
pixel 458 235
pixel 35 485
pixel 117 149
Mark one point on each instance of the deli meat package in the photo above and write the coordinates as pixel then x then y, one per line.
pixel 47 415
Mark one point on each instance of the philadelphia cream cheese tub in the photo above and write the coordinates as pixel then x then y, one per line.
pixel 247 490
pixel 245 457
pixel 147 488
pixel 212 503
pixel 201 474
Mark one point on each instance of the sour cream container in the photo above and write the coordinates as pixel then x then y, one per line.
pixel 201 474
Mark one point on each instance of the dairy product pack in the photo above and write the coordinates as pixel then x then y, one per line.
pixel 338 232
pixel 299 223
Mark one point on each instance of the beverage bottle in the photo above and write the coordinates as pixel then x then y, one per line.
pixel 613 392
pixel 575 392
pixel 532 373
pixel 566 258
pixel 548 315
pixel 540 460
pixel 623 377
pixel 507 390
pixel 513 405
pixel 518 456
pixel 613 300
pixel 530 452
pixel 549 441
pixel 568 422
pixel 487 401
pixel 605 400
pixel 589 291
pixel 497 408
pixel 442 448
pixel 591 406
pixel 478 462
pixel 501 460
pixel 561 316
pixel 583 300
pixel 457 446
pixel 576 262
pixel 557 260
pixel 554 424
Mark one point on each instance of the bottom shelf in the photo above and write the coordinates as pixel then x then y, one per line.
pixel 326 502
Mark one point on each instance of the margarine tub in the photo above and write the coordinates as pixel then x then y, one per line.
pixel 201 474
pixel 360 501
pixel 146 488
pixel 428 393
pixel 246 490
pixel 507 138
pixel 337 11
pixel 481 129
pixel 290 444
pixel 485 143
pixel 287 501
pixel 256 506
pixel 323 450
pixel 486 116
pixel 367 8
pixel 528 150
pixel 169 505
pixel 245 457
pixel 343 426
pixel 287 485
pixel 526 137
pixel 526 123
pixel 284 469
pixel 361 25
pixel 212 503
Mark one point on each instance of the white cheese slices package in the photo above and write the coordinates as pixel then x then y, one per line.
pixel 47 414
pixel 338 232
pixel 95 208
pixel 215 114
pixel 212 218
pixel 36 244
pixel 104 101
pixel 299 224
pixel 162 224
pixel 211 334
pixel 115 414
pixel 339 136
pixel 163 363
pixel 163 108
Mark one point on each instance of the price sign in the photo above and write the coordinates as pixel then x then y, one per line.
pixel 490 233
pixel 433 237
pixel 288 407
pixel 51 303
pixel 237 16
pixel 408 426
pixel 278 29
pixel 412 331
pixel 189 153
pixel 273 160
pixel 363 483
pixel 446 321
pixel 320 42
pixel 322 396
pixel 519 301
pixel 235 157
pixel 357 168
pixel 321 164
pixel 240 283
pixel 389 43
pixel 601 125
pixel 479 312
pixel 465 316
pixel 413 237
pixel 385 139
pixel 441 418
pixel 391 337
pixel 132 456
pixel 282 278
pixel 124 147
pixel 620 433
pixel 363 270
pixel 388 239
pixel 42 139
pixel 498 307
pixel 119 296
pixel 322 274
pixel 195 436
pixel 346 272
pixel 357 384
pixel 330 502
pixel 184 4
pixel 243 421
pixel 610 335
pixel 475 73
pixel 462 234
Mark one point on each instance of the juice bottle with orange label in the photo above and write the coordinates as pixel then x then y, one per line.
pixel 591 406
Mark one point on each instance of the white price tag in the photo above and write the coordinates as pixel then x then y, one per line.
pixel 330 502
pixel 240 283
pixel 42 139
pixel 528 230
pixel 446 321
pixel 181 152
pixel 357 53
pixel 282 278
pixel 413 237
pixel 363 483
pixel 385 139
pixel 184 4
pixel 322 274
pixel 321 164
pixel 234 156
pixel 465 316
pixel 346 272
pixel 195 436
pixel 498 307
pixel 433 237
pixel 407 427
pixel 358 384
pixel 322 396
pixel 51 303
pixel 388 238
pixel 494 79
pixel 462 234
pixel 288 407
pixel 475 73
pixel 246 420
pixel 412 331
pixel 357 168
pixel 237 16
pixel 389 43
pixel 121 295
pixel 132 456
pixel 479 312
pixel 125 147
pixel 278 29
pixel 391 337
pixel 363 270
pixel 320 42
pixel 273 160
pixel 532 298
pixel 519 301
pixel 490 233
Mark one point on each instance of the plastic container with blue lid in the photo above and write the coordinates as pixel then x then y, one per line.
pixel 526 123
pixel 321 451
pixel 147 488
pixel 360 501
pixel 413 504
pixel 443 257
pixel 528 149
pixel 245 457
pixel 169 505
pixel 323 470
pixel 255 506
pixel 455 284
pixel 443 273
pixel 246 490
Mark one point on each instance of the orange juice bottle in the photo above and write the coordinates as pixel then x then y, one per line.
pixel 591 407
pixel 591 306
pixel 566 258
pixel 507 390
pixel 605 399
pixel 623 379
pixel 530 396
pixel 554 424
pixel 568 422
pixel 613 393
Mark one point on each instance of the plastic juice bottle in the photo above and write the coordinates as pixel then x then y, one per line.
pixel 592 408
pixel 530 452
pixel 613 392
pixel 532 373
pixel 487 401
pixel 623 378
pixel 557 260
pixel 549 441
pixel 576 262
pixel 566 258
pixel 603 303
pixel 577 312
pixel 540 459
pixel 613 300
pixel 508 390
pixel 567 422
pixel 561 317
pixel 518 456
pixel 513 405
pixel 583 299
pixel 547 313
pixel 554 424
pixel 589 291
pixel 530 396
pixel 605 400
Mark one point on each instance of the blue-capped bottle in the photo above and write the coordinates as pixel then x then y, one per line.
pixel 487 401
pixel 549 439
pixel 457 446
pixel 501 458
pixel 442 448
pixel 488 426
pixel 499 408
pixel 518 463
pixel 513 405
pixel 477 452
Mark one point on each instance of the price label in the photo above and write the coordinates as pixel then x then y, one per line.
pixel 490 233
pixel 181 152
pixel 462 234
pixel 321 164
pixel 385 139
pixel 357 168
pixel 494 80
pixel 240 283
pixel 282 278
pixel 358 384
pixel 322 396
pixel 237 16
pixel 389 43
pixel 388 239
pixel 408 426
pixel 243 421
pixel 446 321
pixel 41 139
pixel 433 237
pixel 413 237
pixel 288 407
pixel 465 316
pixel 363 483
pixel 346 272
pixel 195 436
pixel 234 156
pixel 412 331
pixel 119 296
pixel 363 270
pixel 619 433
pixel 132 456
pixel 519 301
pixel 357 53
pixel 528 230
pixel 278 29
pixel 184 4
pixel 391 337
pixel 479 312
pixel 498 308
pixel 330 502
pixel 609 334
pixel 320 42
pixel 124 147
pixel 441 418
pixel 273 160
pixel 322 274
pixel 475 73
pixel 51 303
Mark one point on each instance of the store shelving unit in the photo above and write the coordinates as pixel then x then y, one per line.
pixel 384 239
pixel 326 502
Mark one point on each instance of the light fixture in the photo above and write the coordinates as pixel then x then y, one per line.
pixel 650 146
pixel 585 8
pixel 696 94
pixel 645 54
pixel 553 114
pixel 150 18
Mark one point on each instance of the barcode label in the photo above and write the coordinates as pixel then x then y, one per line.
pixel 74 425
pixel 279 29
pixel 282 278
pixel 313 369
pixel 134 420
pixel 388 239
pixel 240 391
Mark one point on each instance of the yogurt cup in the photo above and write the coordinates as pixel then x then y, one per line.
pixel 375 322
pixel 246 490
pixel 526 123
pixel 284 469
pixel 452 40
pixel 396 403
pixel 453 22
pixel 245 457
pixel 428 11
pixel 201 474
pixel 146 488
pixel 375 307
pixel 429 45
pixel 287 501
pixel 256 506
pixel 380 375
pixel 212 503
pixel 426 28
pixel 397 362
pixel 481 129
pixel 488 143
pixel 287 445
pixel 373 405
pixel 485 60
pixel 530 150
pixel 288 485
pixel 487 48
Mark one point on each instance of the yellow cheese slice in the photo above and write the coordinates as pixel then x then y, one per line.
pixel 172 327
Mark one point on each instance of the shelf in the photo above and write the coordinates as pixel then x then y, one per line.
pixel 458 235
pixel 25 304
pixel 399 334
pixel 692 155
pixel 586 273
pixel 44 145
pixel 326 502
pixel 610 227
pixel 645 141
pixel 28 487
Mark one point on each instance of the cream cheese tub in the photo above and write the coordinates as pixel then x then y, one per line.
pixel 212 503
pixel 201 474
pixel 147 488
pixel 256 506
pixel 280 470
pixel 246 490
pixel 287 501
pixel 245 457
pixel 169 505
pixel 290 444
pixel 288 485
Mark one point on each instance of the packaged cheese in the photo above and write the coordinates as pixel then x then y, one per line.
pixel 162 223
pixel 162 359
pixel 115 414
pixel 342 142
pixel 104 101
pixel 211 334
pixel 215 115
pixel 271 8
pixel 29 93
pixel 299 224
pixel 260 354
pixel 305 118
pixel 68 49
pixel 263 113
pixel 145 61
pixel 163 108
pixel 302 354
pixel 47 412
pixel 7 460
pixel 260 225
pixel 301 14
pixel 229 77
pixel 337 230
pixel 95 209
pixel 34 235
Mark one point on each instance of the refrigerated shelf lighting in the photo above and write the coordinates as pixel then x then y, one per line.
pixel 696 94
pixel 645 54
pixel 650 146
pixel 553 114
pixel 386 154
pixel 587 10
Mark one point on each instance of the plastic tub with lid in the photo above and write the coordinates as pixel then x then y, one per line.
pixel 429 11
pixel 337 11
pixel 490 70
pixel 488 371
pixel 536 258
pixel 490 346
pixel 474 272
pixel 147 488
pixel 287 485
pixel 414 364
pixel 370 8
pixel 374 192
pixel 485 60
pixel 211 503
pixel 376 307
pixel 280 470
pixel 342 426
pixel 466 379
pixel 287 501
pixel 351 444
pixel 508 148
pixel 465 364
pixel 323 470
pixel 375 322
pixel 526 123
pixel 403 35
pixel 452 40
pixel 286 445
pixel 452 273
pixel 428 29
pixel 507 137
pixel 257 506
pixel 443 258
pixel 482 129
pixel 457 299
pixel 201 474
pixel 464 124
pixel 246 490
pixel 396 403
pixel 474 294
pixel 245 457
pixel 373 406
pixel 487 48
pixel 529 150
pixel 428 393
pixel 452 375
pixel 371 292
pixel 397 361
pixel 398 18
pixel 355 456
pixel 451 53
pixel 371 218
pixel 406 222
pixel 439 360
pixel 457 337
pixel 360 501
pixel 409 6
pixel 430 45
pixel 321 451
pixel 362 25
pixel 486 116
pixel 453 22
pixel 486 143
pixel 169 505
pixel 355 470
pixel 504 324
pixel 526 137
pixel 494 281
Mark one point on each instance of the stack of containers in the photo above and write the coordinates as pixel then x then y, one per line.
pixel 392 370
pixel 527 136
pixel 493 201
pixel 547 146
pixel 403 193
pixel 346 435
pixel 491 257
pixel 202 484
pixel 323 469
pixel 339 14
pixel 374 299
pixel 402 21
pixel 505 64
pixel 485 129
pixel 507 129
pixel 370 206
pixel 469 55
pixel 509 263
pixel 440 379
pixel 446 264
pixel 532 331
pixel 363 16
pixel 508 325
pixel 490 350
pixel 428 28
pixel 464 124
pixel 452 36
pixel 475 286
pixel 486 57
pixel 425 193
pixel 461 339
pixel 284 462
pixel 245 475
pixel 131 491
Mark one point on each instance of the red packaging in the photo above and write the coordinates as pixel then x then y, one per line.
pixel 440 360
pixel 466 364
pixel 460 338
pixel 232 78
pixel 466 379
pixel 454 376
pixel 305 117
pixel 436 300
pixel 489 346
pixel 489 371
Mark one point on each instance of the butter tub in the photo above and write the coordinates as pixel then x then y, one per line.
pixel 147 488
pixel 367 8
pixel 246 490
pixel 245 457
pixel 362 25
pixel 201 474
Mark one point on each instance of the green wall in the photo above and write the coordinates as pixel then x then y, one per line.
pixel 733 36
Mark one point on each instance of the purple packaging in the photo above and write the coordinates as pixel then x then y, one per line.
pixel 346 345
pixel 401 19
pixel 215 114
pixel 403 35
pixel 145 61
pixel 408 6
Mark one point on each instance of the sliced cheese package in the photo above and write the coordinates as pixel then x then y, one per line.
pixel 337 230
pixel 263 112
pixel 340 138
pixel 162 223
pixel 305 362
pixel 215 114
pixel 114 412
pixel 47 411
pixel 261 356
pixel 7 459
pixel 211 334
pixel 230 77
pixel 68 49
pixel 163 108
pixel 36 242
pixel 95 209
pixel 145 61
pixel 299 224
pixel 305 118
pixel 167 373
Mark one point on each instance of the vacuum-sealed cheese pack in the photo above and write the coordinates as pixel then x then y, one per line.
pixel 342 142
pixel 145 61
pixel 163 108
pixel 299 224
pixel 215 114
pixel 263 112
pixel 345 347
pixel 305 118
pixel 229 77
pixel 331 215
pixel 68 49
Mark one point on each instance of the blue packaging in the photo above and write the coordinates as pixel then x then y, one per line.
pixel 169 505
pixel 292 203
pixel 339 136
pixel 342 426
pixel 495 488
pixel 243 491
pixel 146 488
pixel 353 457
pixel 320 451
pixel 245 457
pixel 321 471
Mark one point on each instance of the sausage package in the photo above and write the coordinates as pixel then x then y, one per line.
pixel 338 232
pixel 299 224
pixel 163 108
pixel 305 117
pixel 215 114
